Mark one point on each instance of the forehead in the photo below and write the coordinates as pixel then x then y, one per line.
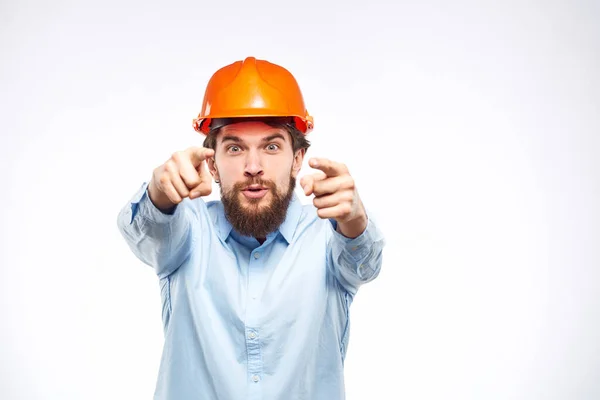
pixel 250 131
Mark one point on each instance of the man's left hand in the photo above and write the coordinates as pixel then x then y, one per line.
pixel 336 196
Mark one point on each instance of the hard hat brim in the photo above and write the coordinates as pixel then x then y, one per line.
pixel 203 125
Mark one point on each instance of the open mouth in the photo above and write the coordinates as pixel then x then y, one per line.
pixel 255 192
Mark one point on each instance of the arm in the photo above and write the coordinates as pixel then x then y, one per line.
pixel 357 244
pixel 356 261
pixel 157 222
pixel 158 239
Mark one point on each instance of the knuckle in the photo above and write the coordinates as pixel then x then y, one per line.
pixel 348 196
pixel 163 179
pixel 206 189
pixel 170 166
pixel 174 197
pixel 183 191
pixel 192 182
pixel 177 156
pixel 349 182
pixel 156 173
pixel 189 179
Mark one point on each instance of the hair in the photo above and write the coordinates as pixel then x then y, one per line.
pixel 299 140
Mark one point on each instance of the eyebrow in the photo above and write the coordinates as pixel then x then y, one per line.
pixel 274 136
pixel 232 138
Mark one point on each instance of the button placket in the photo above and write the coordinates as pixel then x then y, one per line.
pixel 254 354
pixel 255 366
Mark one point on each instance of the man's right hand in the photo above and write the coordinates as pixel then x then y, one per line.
pixel 183 175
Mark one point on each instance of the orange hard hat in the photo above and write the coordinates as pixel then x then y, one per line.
pixel 253 88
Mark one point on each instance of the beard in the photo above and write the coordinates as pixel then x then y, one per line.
pixel 255 220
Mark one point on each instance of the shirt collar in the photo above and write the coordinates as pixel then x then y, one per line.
pixel 287 228
pixel 223 226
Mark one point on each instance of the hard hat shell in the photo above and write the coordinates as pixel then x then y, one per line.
pixel 253 88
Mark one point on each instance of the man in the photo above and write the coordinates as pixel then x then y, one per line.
pixel 256 288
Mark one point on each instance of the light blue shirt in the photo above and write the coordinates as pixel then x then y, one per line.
pixel 244 320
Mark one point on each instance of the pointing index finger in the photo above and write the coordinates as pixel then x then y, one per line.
pixel 199 154
pixel 307 182
pixel 331 168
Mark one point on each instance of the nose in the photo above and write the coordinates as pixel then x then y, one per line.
pixel 253 165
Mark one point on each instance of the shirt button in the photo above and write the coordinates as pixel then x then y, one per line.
pixel 257 255
pixel 255 378
pixel 252 335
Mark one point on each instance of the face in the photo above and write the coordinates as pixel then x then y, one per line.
pixel 256 166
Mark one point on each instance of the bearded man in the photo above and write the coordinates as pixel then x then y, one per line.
pixel 255 287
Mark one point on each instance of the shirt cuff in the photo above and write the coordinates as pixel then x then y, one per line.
pixel 359 246
pixel 142 205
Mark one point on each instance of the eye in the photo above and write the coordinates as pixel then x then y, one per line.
pixel 233 149
pixel 273 147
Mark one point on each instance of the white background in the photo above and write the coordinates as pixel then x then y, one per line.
pixel 472 130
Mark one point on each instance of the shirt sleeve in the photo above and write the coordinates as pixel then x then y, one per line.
pixel 162 241
pixel 356 261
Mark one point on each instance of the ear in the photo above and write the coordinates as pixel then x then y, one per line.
pixel 212 168
pixel 297 164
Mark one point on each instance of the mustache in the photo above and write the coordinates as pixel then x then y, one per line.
pixel 255 181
